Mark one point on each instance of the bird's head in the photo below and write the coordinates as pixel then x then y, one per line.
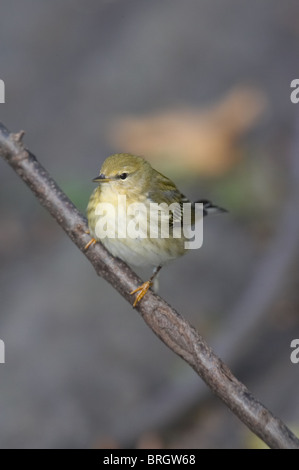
pixel 125 173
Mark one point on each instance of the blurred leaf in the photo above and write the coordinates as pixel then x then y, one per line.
pixel 193 141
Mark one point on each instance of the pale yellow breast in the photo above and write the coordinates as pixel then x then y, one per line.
pixel 109 212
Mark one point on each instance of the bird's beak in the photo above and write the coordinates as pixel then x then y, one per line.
pixel 101 179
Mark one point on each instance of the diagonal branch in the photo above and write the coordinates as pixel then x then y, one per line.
pixel 165 322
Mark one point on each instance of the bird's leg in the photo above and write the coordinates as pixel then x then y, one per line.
pixel 142 290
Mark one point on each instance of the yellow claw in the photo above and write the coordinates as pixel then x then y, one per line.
pixel 142 291
pixel 91 242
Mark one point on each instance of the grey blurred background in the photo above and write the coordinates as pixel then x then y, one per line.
pixel 202 89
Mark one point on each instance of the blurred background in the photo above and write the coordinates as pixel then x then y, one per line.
pixel 202 89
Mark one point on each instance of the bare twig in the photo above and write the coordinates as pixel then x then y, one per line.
pixel 165 322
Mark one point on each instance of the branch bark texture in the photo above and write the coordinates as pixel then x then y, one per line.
pixel 165 322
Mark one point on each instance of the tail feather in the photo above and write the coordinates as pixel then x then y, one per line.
pixel 209 208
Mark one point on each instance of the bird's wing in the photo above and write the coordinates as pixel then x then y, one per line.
pixel 166 192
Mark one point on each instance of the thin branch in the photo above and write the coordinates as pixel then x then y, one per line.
pixel 270 275
pixel 164 321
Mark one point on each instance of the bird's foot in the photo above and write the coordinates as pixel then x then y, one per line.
pixel 142 290
pixel 91 242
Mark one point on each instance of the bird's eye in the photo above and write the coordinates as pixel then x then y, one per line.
pixel 123 176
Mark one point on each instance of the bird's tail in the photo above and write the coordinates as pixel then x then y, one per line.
pixel 209 208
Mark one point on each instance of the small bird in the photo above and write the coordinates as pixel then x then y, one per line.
pixel 120 214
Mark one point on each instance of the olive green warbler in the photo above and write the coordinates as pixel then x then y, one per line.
pixel 127 210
